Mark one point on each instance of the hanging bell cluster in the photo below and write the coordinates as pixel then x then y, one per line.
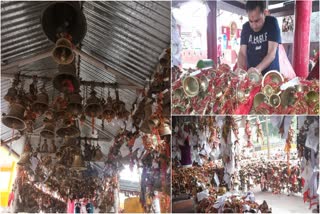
pixel 15 117
pixel 119 107
pixel 66 30
pixel 108 112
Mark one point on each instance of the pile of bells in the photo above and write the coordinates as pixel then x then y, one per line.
pixel 273 176
pixel 213 90
pixel 195 179
pixel 144 117
pixel 302 98
pixel 34 200
pixel 61 114
pixel 231 204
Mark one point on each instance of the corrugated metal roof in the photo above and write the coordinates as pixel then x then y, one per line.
pixel 126 36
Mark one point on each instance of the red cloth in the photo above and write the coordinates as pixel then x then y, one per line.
pixel 245 108
pixel 286 68
pixel 70 206
pixel 11 197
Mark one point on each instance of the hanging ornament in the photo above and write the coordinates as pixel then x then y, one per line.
pixel 259 132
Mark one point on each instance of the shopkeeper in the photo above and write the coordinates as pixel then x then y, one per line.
pixel 260 38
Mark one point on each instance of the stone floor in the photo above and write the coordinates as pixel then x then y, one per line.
pixel 281 203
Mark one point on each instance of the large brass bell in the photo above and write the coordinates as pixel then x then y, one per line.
pixel 108 112
pixel 259 98
pixel 66 80
pixel 74 104
pixel 11 95
pixel 93 107
pixel 48 131
pixel 78 163
pixel 15 117
pixel 191 86
pixel 63 53
pixel 70 21
pixel 68 129
pixel 41 104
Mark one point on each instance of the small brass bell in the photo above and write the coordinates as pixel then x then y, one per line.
pixel 108 112
pixel 63 53
pixel 204 83
pixel 11 95
pixel 178 93
pixel 25 159
pixel 312 97
pixel 15 117
pixel 268 90
pixel 98 155
pixel 118 106
pixel 68 129
pixel 66 80
pixel 48 131
pixel 275 100
pixel 191 86
pixel 93 107
pixel 74 104
pixel 26 155
pixel 78 163
pixel 41 104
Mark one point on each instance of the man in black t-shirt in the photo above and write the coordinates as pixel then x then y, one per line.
pixel 260 38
